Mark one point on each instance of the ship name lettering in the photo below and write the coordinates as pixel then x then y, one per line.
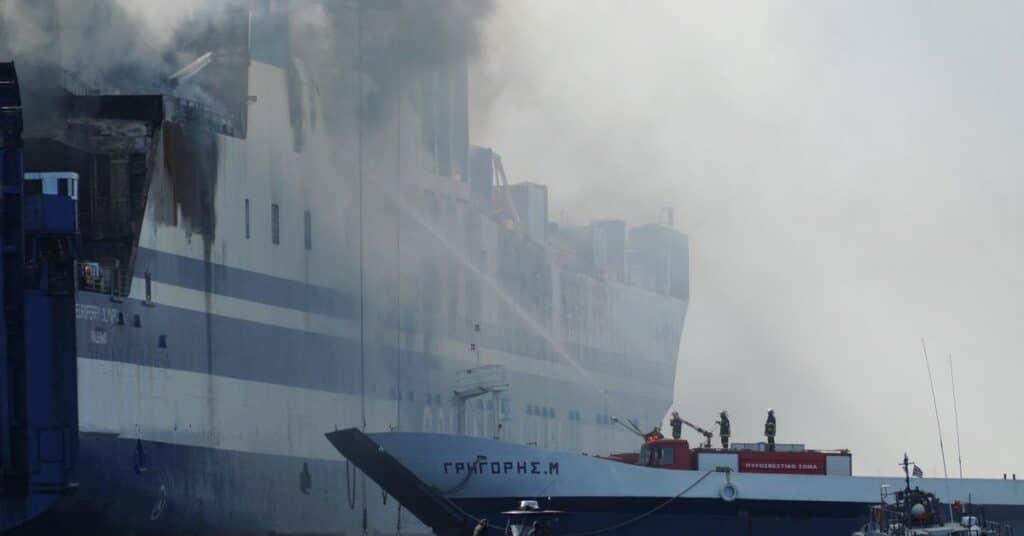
pixel 783 466
pixel 107 315
pixel 98 336
pixel 511 467
pixel 86 312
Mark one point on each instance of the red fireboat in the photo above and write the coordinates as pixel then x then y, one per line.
pixel 786 458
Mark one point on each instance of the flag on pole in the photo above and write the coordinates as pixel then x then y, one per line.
pixel 918 473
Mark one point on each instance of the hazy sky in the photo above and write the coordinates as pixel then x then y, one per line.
pixel 849 175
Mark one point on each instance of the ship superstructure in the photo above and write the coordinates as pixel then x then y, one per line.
pixel 278 229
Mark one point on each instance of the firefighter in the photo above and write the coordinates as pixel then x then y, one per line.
pixel 723 428
pixel 677 425
pixel 769 430
pixel 654 435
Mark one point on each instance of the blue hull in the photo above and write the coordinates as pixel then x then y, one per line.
pixel 183 490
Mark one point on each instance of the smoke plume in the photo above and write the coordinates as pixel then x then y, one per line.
pixel 848 176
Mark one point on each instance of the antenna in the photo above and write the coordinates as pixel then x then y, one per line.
pixel 956 418
pixel 938 424
pixel 935 404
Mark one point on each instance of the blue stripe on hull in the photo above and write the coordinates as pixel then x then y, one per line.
pixel 243 284
pixel 238 348
pixel 249 350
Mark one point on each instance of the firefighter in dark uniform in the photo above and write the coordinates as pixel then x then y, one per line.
pixel 769 430
pixel 677 425
pixel 723 428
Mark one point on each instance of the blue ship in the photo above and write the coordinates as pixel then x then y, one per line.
pixel 278 231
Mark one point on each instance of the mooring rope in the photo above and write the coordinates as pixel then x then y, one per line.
pixel 350 485
pixel 645 514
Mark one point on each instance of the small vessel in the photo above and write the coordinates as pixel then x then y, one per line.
pixel 530 520
pixel 915 512
pixel 451 481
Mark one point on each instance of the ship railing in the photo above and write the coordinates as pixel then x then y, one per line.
pixel 204 115
pixel 121 282
pixel 93 277
pixel 180 108
pixel 886 519
pixel 77 84
pixel 995 527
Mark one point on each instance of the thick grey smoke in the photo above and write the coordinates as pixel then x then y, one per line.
pixel 424 35
pixel 347 82
pixel 847 174
pixel 111 42
pixel 134 46
pixel 419 37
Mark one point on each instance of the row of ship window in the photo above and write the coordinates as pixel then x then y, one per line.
pixel 434 399
pixel 275 224
pixel 540 411
pixel 275 237
pixel 431 399
pixel 573 415
pixel 607 420
pixel 546 412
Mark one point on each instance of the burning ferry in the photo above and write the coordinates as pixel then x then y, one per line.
pixel 272 223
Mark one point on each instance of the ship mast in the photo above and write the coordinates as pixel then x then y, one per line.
pixel 362 231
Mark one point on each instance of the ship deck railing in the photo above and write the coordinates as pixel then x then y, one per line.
pixel 103 280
